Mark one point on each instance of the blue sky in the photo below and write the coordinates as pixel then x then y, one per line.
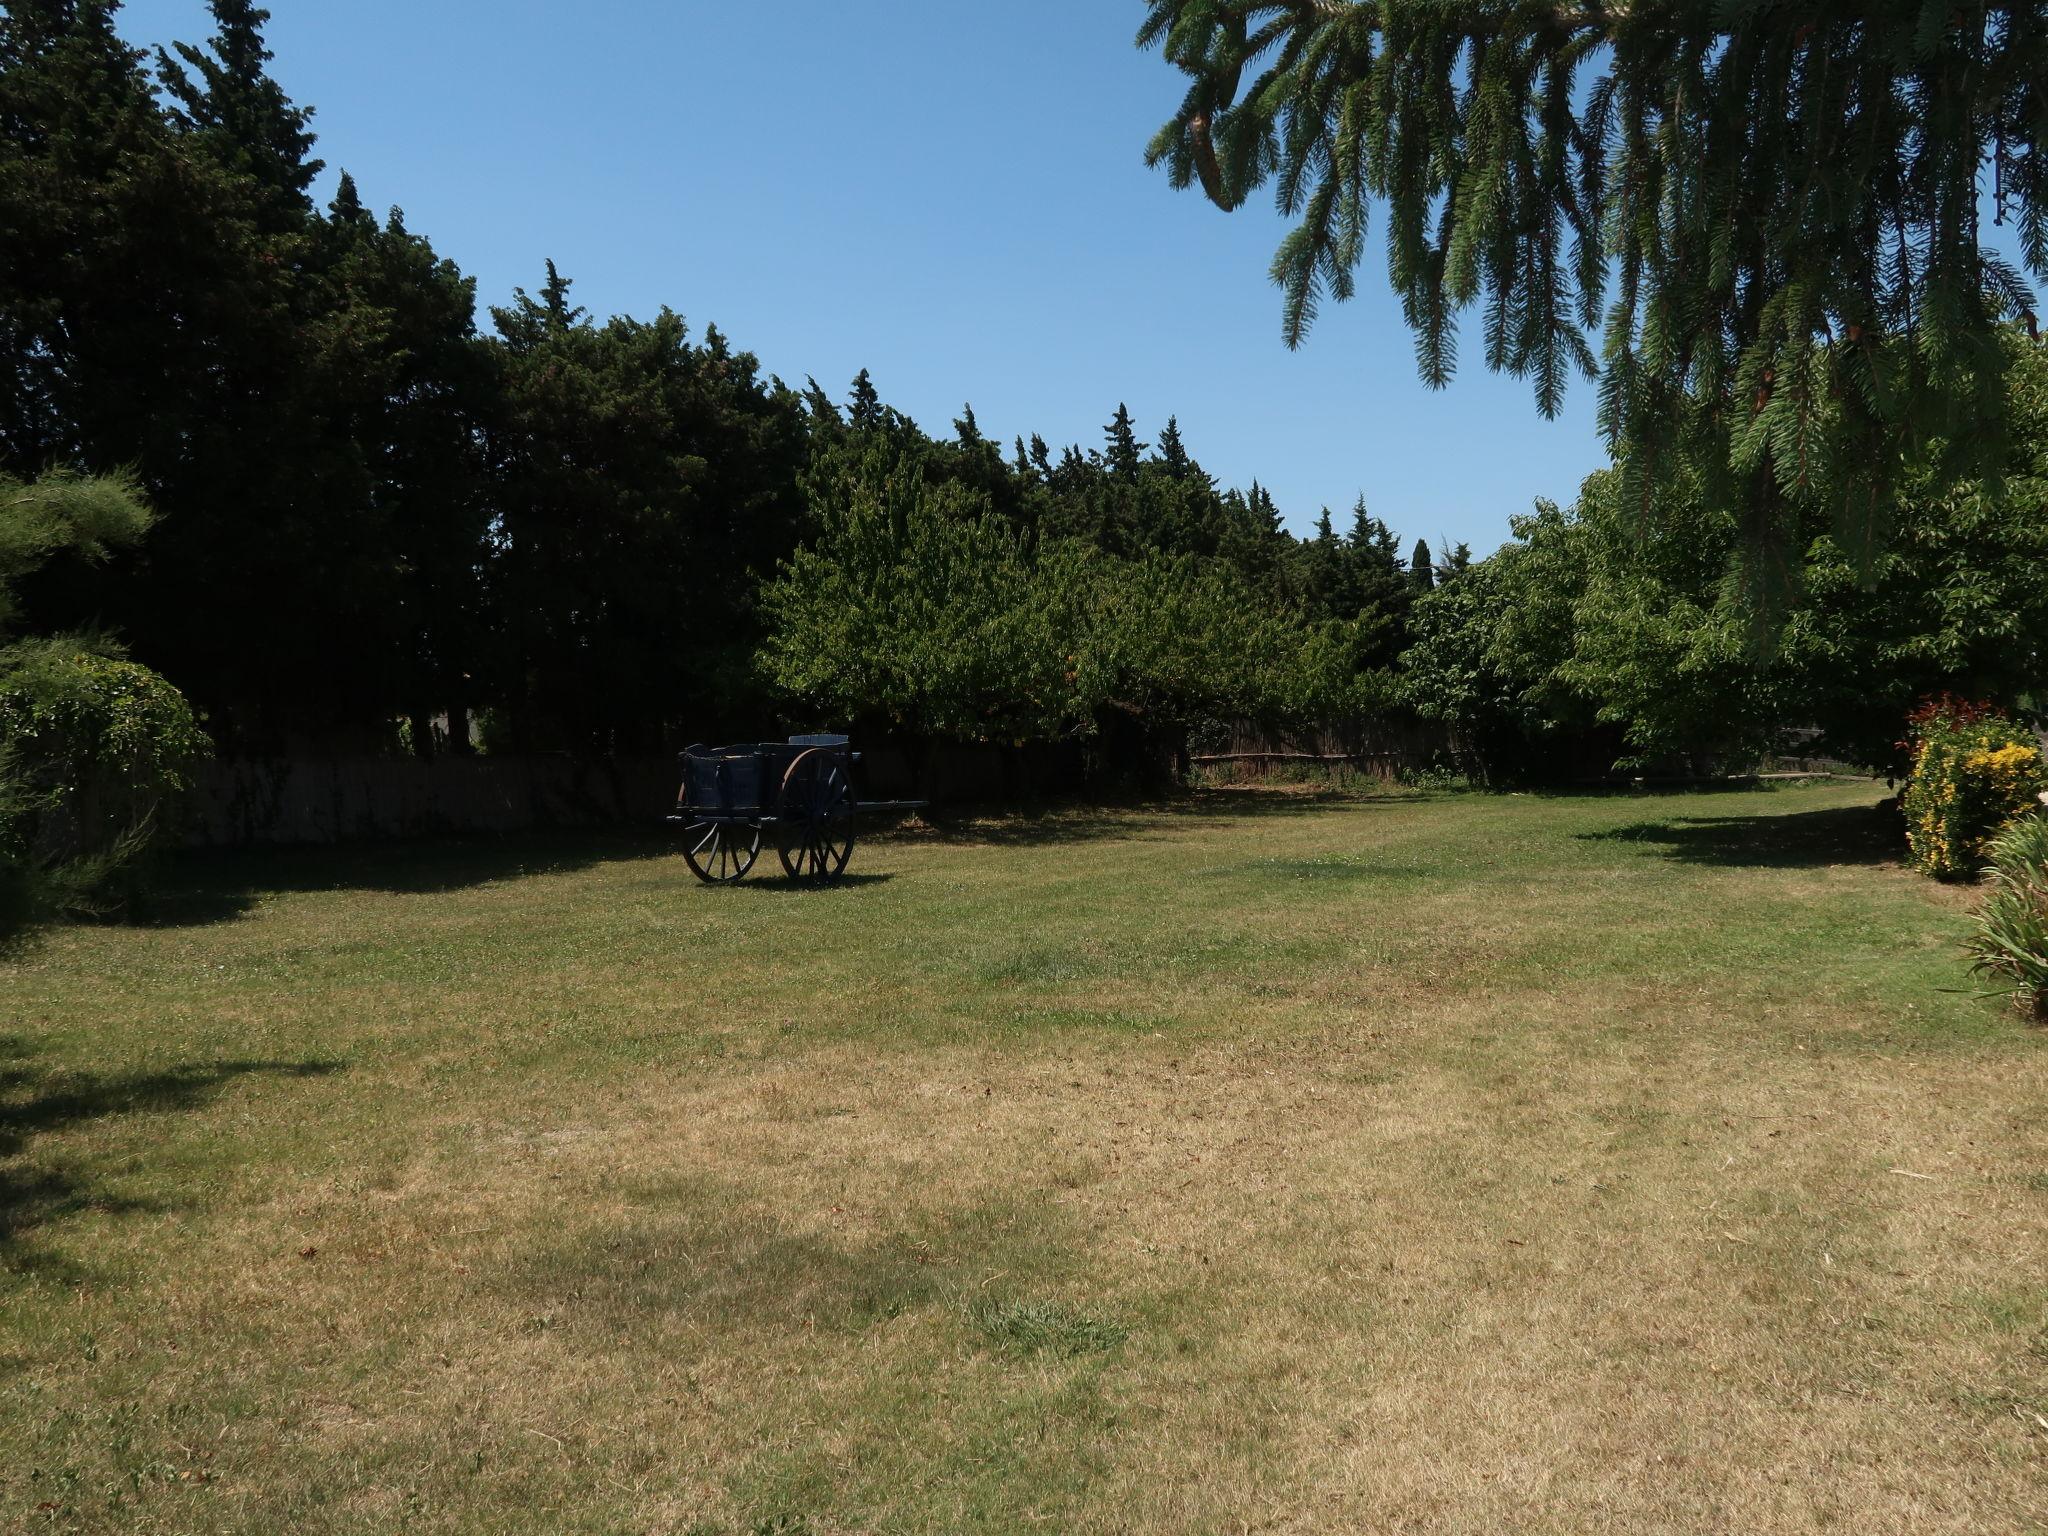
pixel 952 195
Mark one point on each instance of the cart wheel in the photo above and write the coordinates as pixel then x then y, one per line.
pixel 720 852
pixel 816 817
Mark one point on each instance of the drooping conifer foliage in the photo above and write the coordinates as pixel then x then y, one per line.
pixel 1769 217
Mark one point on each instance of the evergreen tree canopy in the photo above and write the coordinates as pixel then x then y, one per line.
pixel 1122 450
pixel 1421 569
pixel 864 409
pixel 1770 214
pixel 226 94
pixel 1172 452
pixel 63 514
pixel 642 483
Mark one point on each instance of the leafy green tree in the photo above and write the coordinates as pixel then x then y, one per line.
pixel 1590 612
pixel 1771 216
pixel 1183 602
pixel 1172 640
pixel 918 610
pixel 1486 654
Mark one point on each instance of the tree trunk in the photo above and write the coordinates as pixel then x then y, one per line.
pixel 459 744
pixel 422 731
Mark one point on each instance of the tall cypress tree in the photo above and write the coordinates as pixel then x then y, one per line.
pixel 1421 570
pixel 90 206
pixel 170 324
pixel 279 461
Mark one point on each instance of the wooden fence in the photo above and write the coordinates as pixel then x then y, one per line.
pixel 1379 749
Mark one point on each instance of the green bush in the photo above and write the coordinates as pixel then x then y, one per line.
pixel 93 751
pixel 2011 942
pixel 1974 775
pixel 21 902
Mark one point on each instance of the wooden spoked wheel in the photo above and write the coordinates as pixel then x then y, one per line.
pixel 816 817
pixel 720 852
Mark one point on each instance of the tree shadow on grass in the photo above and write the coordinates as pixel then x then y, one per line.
pixel 35 1103
pixel 1197 810
pixel 1855 834
pixel 200 888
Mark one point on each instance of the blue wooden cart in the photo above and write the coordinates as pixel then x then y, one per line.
pixel 798 792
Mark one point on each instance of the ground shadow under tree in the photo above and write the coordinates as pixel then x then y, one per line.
pixel 1855 834
pixel 37 1103
pixel 201 888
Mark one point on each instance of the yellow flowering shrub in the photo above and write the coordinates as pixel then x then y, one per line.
pixel 1970 782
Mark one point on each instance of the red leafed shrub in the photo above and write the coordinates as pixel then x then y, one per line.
pixel 1941 712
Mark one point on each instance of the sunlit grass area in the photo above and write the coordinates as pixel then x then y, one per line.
pixel 1266 1162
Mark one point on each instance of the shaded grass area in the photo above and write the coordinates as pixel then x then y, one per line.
pixel 1265 1161
pixel 1853 834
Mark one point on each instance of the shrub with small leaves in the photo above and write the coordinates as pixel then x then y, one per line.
pixel 93 751
pixel 1974 774
pixel 2011 941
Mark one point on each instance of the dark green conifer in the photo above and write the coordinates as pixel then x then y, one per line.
pixel 865 410
pixel 1124 452
pixel 347 208
pixel 225 94
pixel 1420 568
pixel 824 414
pixel 1172 452
pixel 1265 512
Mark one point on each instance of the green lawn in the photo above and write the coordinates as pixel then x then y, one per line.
pixel 1266 1163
